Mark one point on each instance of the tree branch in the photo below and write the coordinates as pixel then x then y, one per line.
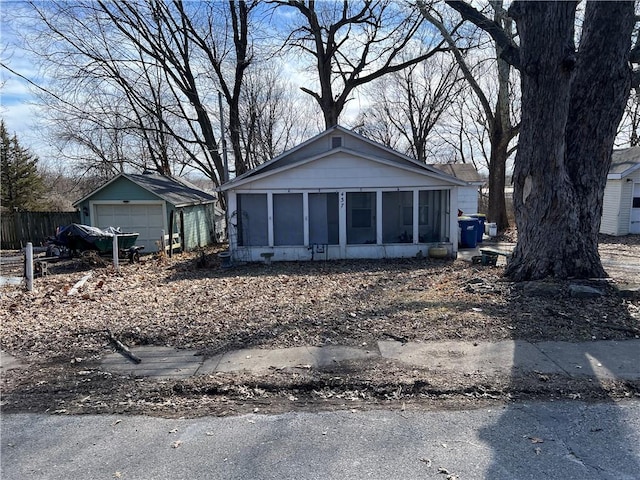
pixel 511 52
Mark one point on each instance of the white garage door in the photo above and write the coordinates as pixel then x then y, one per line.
pixel 146 219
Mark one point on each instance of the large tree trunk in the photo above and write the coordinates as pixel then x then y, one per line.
pixel 501 130
pixel 599 94
pixel 570 111
pixel 497 208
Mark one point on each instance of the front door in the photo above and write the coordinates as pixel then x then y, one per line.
pixel 634 226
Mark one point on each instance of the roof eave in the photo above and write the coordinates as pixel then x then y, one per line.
pixel 418 168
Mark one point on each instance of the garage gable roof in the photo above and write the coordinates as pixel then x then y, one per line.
pixel 176 191
pixel 624 162
pixel 297 156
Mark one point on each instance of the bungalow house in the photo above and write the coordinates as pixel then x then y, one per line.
pixel 621 203
pixel 340 195
pixel 149 204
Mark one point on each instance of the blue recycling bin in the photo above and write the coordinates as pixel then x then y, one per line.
pixel 468 234
pixel 482 218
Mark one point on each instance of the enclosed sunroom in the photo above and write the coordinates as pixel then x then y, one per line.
pixel 340 196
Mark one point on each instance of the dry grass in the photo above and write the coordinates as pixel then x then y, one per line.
pixel 60 337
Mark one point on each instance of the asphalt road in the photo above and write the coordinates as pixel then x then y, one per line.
pixel 552 440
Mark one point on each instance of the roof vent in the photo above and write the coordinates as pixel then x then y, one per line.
pixel 336 142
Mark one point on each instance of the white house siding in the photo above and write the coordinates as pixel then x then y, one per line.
pixel 610 224
pixel 468 199
pixel 626 198
pixel 634 214
pixel 343 172
pixel 617 205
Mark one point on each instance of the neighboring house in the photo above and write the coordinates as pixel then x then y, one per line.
pixel 340 195
pixel 468 194
pixel 621 203
pixel 148 203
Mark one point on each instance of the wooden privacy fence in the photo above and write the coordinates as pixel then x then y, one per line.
pixel 18 228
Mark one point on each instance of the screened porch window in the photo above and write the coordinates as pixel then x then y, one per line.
pixel 397 217
pixel 288 220
pixel 253 228
pixel 433 216
pixel 361 218
pixel 324 223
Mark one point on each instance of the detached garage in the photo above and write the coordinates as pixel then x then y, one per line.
pixel 149 203
pixel 621 203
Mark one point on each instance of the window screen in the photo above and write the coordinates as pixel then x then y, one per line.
pixel 433 216
pixel 323 219
pixel 397 217
pixel 253 227
pixel 288 221
pixel 361 217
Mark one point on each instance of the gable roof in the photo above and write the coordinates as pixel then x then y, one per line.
pixel 290 159
pixel 624 162
pixel 176 191
pixel 462 171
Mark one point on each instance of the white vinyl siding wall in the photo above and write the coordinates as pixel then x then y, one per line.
pixel 610 223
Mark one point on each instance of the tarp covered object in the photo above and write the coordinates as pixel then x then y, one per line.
pixel 85 237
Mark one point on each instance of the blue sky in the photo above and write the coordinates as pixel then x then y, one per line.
pixel 17 102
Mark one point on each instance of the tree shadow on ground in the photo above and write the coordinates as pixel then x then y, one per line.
pixel 563 439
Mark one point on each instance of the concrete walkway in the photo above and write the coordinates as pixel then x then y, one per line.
pixel 598 359
pixel 605 359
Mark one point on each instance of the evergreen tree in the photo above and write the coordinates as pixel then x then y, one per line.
pixel 21 184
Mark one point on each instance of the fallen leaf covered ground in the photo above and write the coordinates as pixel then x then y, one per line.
pixel 190 301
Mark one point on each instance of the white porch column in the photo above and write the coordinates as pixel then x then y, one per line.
pixel 305 215
pixel 379 217
pixel 232 228
pixel 342 217
pixel 270 218
pixel 416 216
pixel 453 217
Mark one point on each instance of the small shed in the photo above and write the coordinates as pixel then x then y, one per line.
pixel 150 203
pixel 621 203
pixel 340 195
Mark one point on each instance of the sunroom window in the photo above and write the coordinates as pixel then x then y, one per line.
pixel 397 217
pixel 288 221
pixel 324 223
pixel 361 218
pixel 253 228
pixel 433 216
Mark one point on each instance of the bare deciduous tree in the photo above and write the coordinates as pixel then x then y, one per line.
pixel 499 122
pixel 572 102
pixel 407 106
pixel 274 117
pixel 352 44
pixel 148 71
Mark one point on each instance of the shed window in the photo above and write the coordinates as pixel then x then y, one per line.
pixel 324 223
pixel 397 217
pixel 336 142
pixel 361 217
pixel 288 222
pixel 253 226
